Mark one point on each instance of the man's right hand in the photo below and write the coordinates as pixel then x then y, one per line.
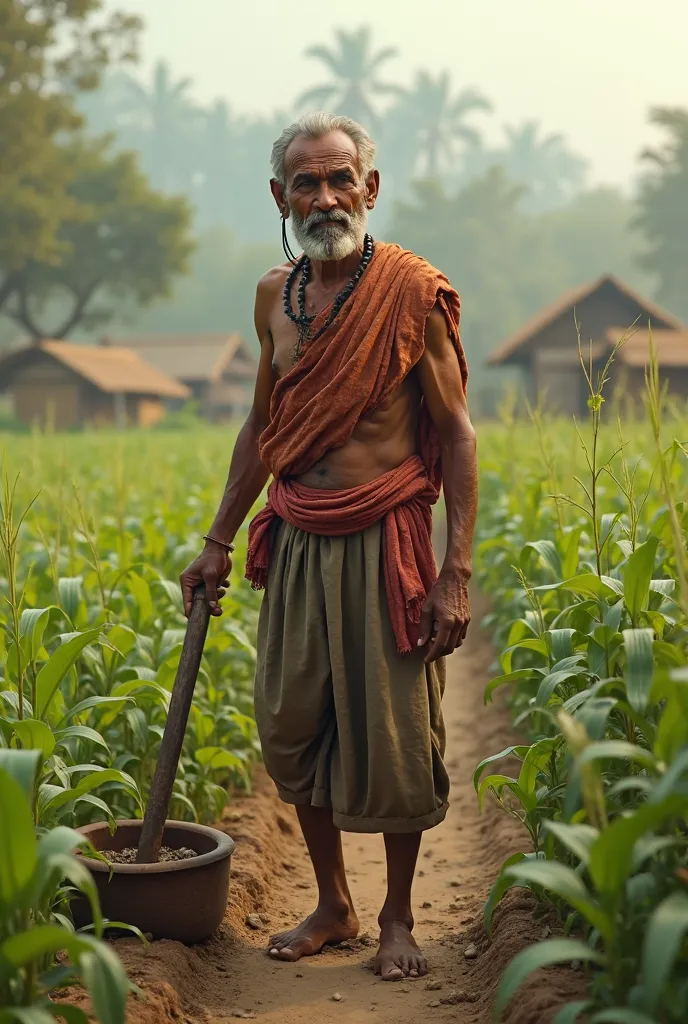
pixel 212 567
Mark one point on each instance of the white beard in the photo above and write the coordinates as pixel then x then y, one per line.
pixel 329 242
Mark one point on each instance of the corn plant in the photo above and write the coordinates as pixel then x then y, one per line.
pixel 587 583
pixel 91 571
pixel 37 878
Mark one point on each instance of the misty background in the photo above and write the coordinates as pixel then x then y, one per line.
pixel 512 141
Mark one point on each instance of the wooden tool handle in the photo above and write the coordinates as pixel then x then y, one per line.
pixel 175 727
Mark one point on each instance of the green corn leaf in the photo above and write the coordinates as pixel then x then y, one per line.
pixel 621 1015
pixel 550 683
pixel 91 782
pixel 501 885
pixel 618 750
pixel 666 587
pixel 672 732
pixel 520 751
pixel 18 848
pixel 549 554
pixel 240 636
pixel 60 840
pixel 570 1013
pixel 648 847
pixel 587 585
pixel 71 591
pixel 560 643
pixel 40 940
pixel 607 524
pixel 79 732
pixel 594 715
pixel 563 881
pixel 571 556
pixel 93 702
pixel 612 855
pixel 669 781
pixel 35 735
pixel 637 574
pixel 216 757
pixel 143 603
pixel 106 982
pixel 639 667
pixel 578 838
pixel 57 667
pixel 26 1015
pixel 538 645
pixel 664 935
pixel 544 954
pixel 132 687
pixel 95 801
pixel 120 641
pixel 22 765
pixel 534 762
pixel 32 629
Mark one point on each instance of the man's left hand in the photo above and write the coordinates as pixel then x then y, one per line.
pixel 445 616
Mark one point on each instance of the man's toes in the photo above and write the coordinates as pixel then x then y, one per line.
pixel 391 971
pixel 289 954
pixel 422 967
pixel 403 962
pixel 296 949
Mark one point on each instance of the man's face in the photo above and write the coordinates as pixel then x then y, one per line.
pixel 327 198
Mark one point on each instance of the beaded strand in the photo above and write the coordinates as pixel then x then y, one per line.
pixel 303 321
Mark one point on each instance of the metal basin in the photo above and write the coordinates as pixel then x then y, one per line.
pixel 182 899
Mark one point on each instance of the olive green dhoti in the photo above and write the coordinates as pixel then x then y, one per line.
pixel 345 721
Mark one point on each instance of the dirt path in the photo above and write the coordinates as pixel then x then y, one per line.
pixel 231 977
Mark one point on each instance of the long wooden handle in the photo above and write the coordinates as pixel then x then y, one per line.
pixel 175 727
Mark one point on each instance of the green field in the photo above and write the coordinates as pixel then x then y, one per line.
pixel 581 550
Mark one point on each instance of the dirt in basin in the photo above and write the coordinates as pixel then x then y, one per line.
pixel 166 855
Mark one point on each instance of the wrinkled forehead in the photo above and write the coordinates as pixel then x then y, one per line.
pixel 320 157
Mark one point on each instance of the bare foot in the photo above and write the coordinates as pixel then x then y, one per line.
pixel 324 927
pixel 399 956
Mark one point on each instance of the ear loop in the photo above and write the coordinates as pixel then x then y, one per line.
pixel 293 259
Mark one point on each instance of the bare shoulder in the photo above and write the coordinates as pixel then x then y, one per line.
pixel 272 282
pixel 268 292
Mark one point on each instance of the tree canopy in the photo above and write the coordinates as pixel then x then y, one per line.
pixel 76 222
pixel 120 241
pixel 664 209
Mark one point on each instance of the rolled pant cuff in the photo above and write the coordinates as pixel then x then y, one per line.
pixel 353 823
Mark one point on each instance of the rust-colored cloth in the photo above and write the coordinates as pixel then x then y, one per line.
pixel 342 377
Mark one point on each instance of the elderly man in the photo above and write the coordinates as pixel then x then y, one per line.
pixel 360 417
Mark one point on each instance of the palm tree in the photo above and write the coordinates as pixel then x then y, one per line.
pixel 544 163
pixel 354 66
pixel 438 119
pixel 165 118
pixel 217 154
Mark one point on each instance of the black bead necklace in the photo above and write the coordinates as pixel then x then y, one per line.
pixel 303 321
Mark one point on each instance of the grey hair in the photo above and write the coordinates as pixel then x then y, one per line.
pixel 314 126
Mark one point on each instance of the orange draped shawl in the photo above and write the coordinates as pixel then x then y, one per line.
pixel 344 375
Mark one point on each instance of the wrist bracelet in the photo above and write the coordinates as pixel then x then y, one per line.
pixel 222 543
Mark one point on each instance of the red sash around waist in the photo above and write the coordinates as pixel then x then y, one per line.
pixel 401 498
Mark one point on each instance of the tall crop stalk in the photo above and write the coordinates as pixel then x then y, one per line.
pixel 9 544
pixel 545 442
pixel 654 403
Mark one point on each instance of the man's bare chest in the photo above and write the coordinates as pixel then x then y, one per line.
pixel 284 331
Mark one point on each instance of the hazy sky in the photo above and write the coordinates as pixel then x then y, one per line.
pixel 587 68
